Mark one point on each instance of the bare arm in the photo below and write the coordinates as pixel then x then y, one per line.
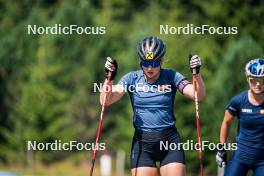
pixel 188 90
pixel 113 94
pixel 228 119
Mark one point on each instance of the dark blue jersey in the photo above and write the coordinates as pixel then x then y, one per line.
pixel 250 137
pixel 153 104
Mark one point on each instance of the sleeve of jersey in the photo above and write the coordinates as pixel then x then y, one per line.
pixel 126 80
pixel 233 106
pixel 180 81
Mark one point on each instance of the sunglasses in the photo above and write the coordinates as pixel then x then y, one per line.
pixel 256 80
pixel 149 63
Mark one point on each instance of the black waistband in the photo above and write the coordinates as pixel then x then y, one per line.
pixel 147 136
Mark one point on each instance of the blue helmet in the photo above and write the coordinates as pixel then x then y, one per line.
pixel 255 68
pixel 151 49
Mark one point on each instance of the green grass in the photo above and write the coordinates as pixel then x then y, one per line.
pixel 67 167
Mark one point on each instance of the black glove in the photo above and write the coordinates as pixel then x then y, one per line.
pixel 221 156
pixel 195 64
pixel 111 66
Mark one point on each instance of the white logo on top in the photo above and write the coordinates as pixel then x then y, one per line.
pixel 247 110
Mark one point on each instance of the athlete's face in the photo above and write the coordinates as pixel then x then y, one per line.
pixel 256 84
pixel 151 72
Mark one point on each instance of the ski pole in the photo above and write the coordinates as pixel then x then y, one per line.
pixel 100 123
pixel 197 117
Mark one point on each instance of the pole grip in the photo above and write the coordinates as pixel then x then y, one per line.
pixel 193 70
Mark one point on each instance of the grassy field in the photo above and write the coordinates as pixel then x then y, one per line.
pixel 67 167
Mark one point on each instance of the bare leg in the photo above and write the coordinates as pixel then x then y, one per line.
pixel 173 169
pixel 144 171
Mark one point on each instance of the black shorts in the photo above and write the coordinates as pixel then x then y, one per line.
pixel 151 147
